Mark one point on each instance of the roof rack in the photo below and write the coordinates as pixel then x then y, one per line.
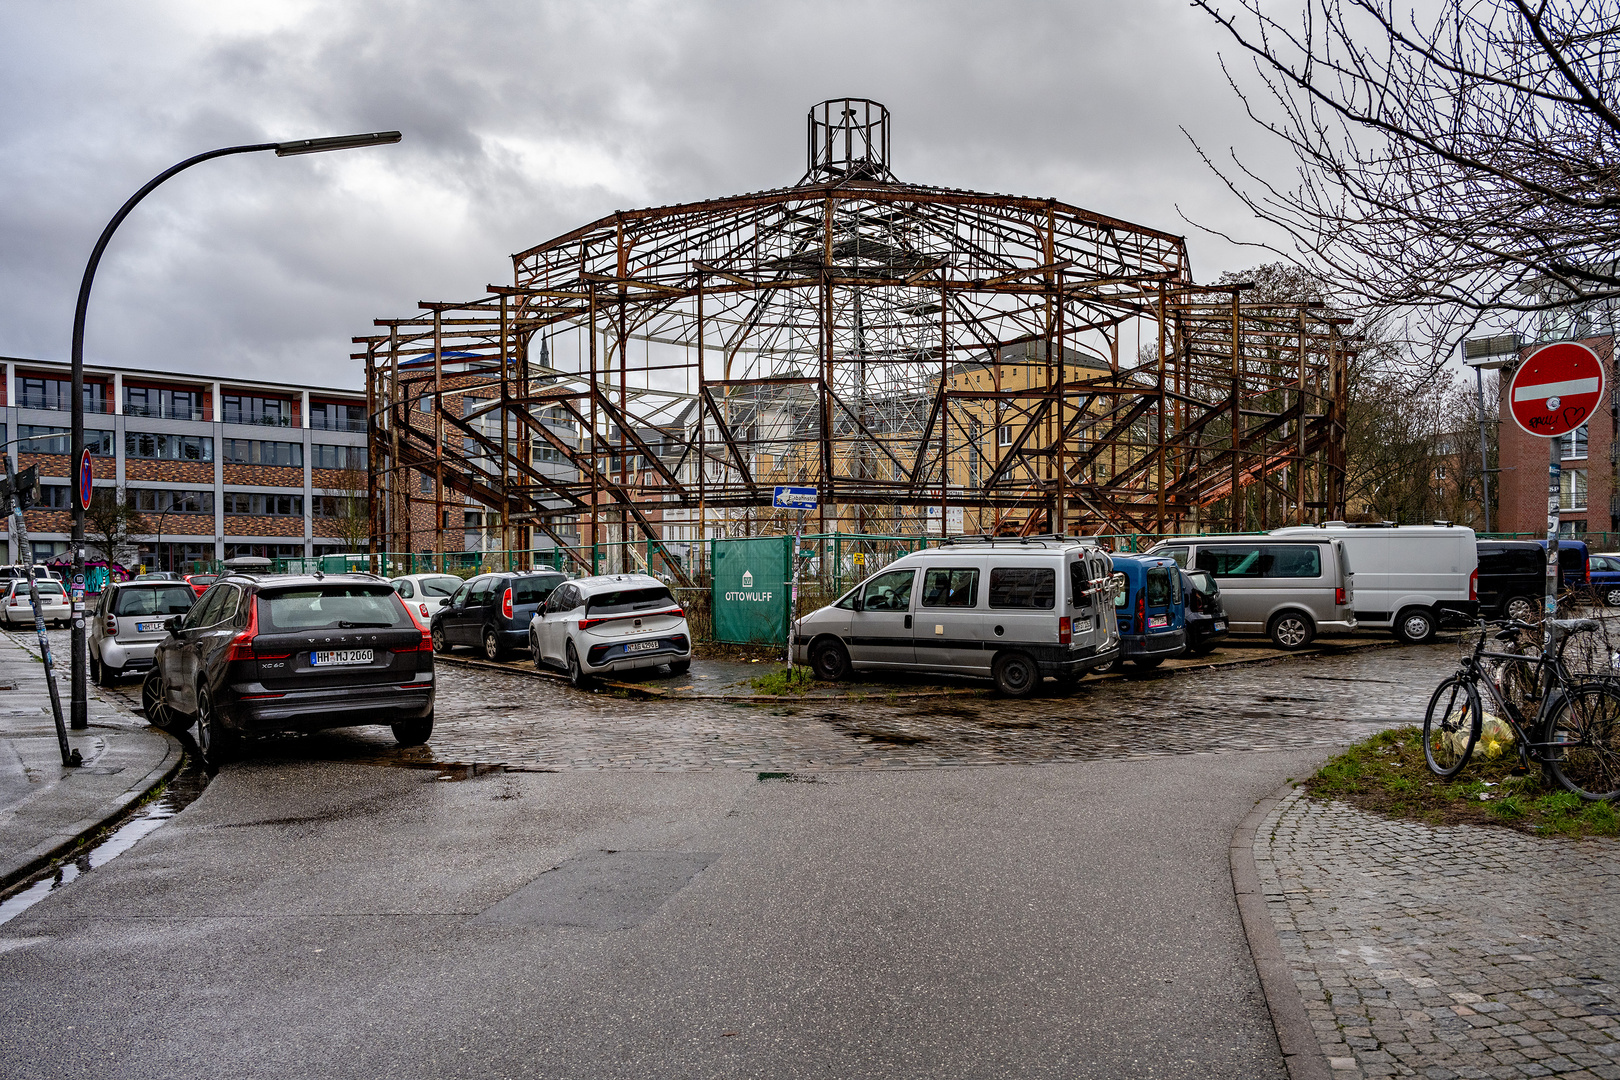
pixel 1041 538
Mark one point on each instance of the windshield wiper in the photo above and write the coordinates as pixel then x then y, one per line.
pixel 345 624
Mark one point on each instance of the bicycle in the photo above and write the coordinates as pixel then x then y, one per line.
pixel 1576 730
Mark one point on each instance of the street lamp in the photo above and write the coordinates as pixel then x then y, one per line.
pixel 80 710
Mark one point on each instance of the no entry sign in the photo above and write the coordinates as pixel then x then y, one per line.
pixel 1557 389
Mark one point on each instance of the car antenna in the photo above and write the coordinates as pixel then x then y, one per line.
pixel 319 576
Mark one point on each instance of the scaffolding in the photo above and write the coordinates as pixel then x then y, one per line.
pixel 926 358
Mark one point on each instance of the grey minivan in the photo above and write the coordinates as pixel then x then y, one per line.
pixel 1288 589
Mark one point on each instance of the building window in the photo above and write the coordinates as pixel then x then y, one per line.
pixel 472 520
pixel 1572 446
pixel 424 483
pixel 1005 435
pixel 331 416
pixel 246 502
pixel 1572 528
pixel 337 457
pixel 1572 489
pixel 254 452
pixel 55 497
pixel 243 409
pixel 59 441
pixel 57 394
pixel 162 447
pixel 162 402
pixel 168 501
pixel 337 506
pixel 265 551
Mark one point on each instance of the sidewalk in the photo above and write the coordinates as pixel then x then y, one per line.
pixel 44 808
pixel 1453 951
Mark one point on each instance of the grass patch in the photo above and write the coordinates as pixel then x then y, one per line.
pixel 1387 775
pixel 789 681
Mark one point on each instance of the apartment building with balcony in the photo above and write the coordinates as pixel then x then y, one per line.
pixel 217 467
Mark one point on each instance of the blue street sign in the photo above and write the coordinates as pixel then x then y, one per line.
pixel 795 498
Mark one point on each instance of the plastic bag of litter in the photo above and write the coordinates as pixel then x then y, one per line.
pixel 1495 736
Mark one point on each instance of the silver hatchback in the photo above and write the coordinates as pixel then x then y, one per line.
pixel 128 625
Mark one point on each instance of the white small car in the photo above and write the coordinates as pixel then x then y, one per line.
pixel 425 593
pixel 619 622
pixel 19 607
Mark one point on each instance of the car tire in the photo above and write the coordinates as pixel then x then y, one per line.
pixel 155 708
pixel 1290 630
pixel 1016 674
pixel 577 678
pixel 1108 668
pixel 413 732
pixel 534 648
pixel 830 660
pixel 493 649
pixel 679 667
pixel 1148 662
pixel 1611 595
pixel 441 644
pixel 1521 608
pixel 105 676
pixel 217 743
pixel 1415 625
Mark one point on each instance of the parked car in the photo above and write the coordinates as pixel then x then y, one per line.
pixel 200 582
pixel 493 611
pixel 158 575
pixel 1604 571
pixel 1288 588
pixel 1206 618
pixel 1573 562
pixel 129 623
pixel 19 605
pixel 1015 610
pixel 291 653
pixel 1512 578
pixel 619 622
pixel 426 593
pixel 1150 607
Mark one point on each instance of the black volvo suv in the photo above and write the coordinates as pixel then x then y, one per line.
pixel 263 653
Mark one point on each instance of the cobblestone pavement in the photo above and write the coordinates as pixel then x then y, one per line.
pixel 494 717
pixel 1446 952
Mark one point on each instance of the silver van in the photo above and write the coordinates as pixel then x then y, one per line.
pixel 1288 588
pixel 1013 610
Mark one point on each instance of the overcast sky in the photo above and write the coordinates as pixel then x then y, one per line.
pixel 522 121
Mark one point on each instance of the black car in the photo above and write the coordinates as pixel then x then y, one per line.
pixel 292 653
pixel 492 611
pixel 1206 618
pixel 1513 577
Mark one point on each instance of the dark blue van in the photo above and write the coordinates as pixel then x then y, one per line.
pixel 1574 560
pixel 1151 607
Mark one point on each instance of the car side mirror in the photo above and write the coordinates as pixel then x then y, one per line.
pixel 860 605
pixel 172 623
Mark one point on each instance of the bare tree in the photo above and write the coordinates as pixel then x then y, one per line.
pixel 1462 168
pixel 351 509
pixel 113 524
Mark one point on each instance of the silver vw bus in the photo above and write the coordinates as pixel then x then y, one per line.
pixel 1009 609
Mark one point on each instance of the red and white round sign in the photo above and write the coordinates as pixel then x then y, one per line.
pixel 1557 389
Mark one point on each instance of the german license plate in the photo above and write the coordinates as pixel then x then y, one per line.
pixel 148 627
pixel 1220 625
pixel 1158 622
pixel 337 657
pixel 641 646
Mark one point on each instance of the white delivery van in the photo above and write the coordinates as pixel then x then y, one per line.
pixel 1409 578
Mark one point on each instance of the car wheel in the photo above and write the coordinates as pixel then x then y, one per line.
pixel 679 667
pixel 1611 595
pixel 153 704
pixel 1109 668
pixel 413 732
pixel 493 649
pixel 1148 662
pixel 830 661
pixel 534 648
pixel 576 673
pixel 1521 608
pixel 1291 630
pixel 1414 626
pixel 439 642
pixel 105 676
pixel 218 745
pixel 1016 674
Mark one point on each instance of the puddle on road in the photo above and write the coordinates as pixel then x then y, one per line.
pixel 187 784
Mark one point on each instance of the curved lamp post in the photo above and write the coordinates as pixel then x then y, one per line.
pixel 80 717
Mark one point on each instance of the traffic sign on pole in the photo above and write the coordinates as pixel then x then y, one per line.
pixel 87 480
pixel 794 498
pixel 1557 389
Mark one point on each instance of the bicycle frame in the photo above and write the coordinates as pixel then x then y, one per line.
pixel 1553 692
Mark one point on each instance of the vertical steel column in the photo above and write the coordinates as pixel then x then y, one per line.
pixel 438 439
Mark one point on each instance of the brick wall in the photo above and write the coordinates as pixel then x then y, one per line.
pixel 332 479
pixel 264 476
pixel 56 464
pixel 180 472
pixel 1522 484
pixel 264 525
pixel 49 521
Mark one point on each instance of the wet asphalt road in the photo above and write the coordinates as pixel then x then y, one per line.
pixel 652 907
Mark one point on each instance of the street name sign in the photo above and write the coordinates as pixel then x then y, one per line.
pixel 1557 389
pixel 794 498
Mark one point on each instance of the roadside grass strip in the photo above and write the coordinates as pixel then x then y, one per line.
pixel 1386 774
pixel 795 680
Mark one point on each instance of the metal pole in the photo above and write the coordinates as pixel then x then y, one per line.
pixel 70 756
pixel 1554 475
pixel 1484 461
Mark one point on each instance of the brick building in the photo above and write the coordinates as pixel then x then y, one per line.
pixel 217 467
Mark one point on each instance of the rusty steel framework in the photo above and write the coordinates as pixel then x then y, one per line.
pixel 897 346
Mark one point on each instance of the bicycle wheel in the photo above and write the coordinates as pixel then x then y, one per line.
pixel 1451 726
pixel 1587 722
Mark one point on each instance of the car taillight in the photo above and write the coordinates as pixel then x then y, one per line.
pixel 1473 586
pixel 506 603
pixel 1141 613
pixel 1065 630
pixel 112 626
pixel 586 624
pixel 1338 597
pixel 242 644
pixel 422 644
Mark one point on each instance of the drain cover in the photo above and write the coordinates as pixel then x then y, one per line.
pixel 603 890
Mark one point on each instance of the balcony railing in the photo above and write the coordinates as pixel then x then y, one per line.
pixel 337 423
pixel 173 412
pixel 259 421
pixel 37 401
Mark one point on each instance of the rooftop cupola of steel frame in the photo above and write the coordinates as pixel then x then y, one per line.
pixel 848 140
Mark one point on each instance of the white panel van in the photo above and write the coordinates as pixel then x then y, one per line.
pixel 1409 578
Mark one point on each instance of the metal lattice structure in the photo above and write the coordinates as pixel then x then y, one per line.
pixel 1026 363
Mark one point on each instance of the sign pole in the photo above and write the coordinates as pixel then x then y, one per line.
pixel 70 756
pixel 1555 471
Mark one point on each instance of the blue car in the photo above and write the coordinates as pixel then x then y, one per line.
pixel 1151 607
pixel 1605 573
